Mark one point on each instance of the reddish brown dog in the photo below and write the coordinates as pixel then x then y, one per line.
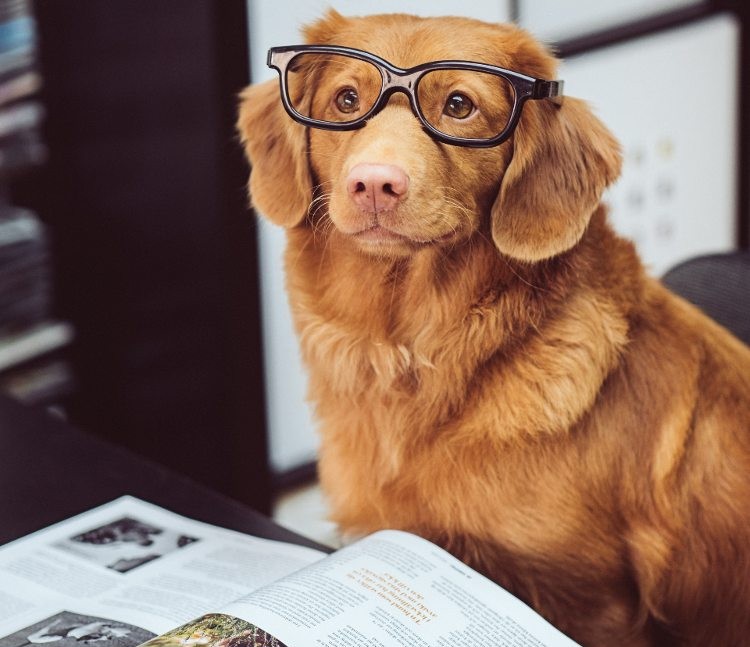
pixel 489 364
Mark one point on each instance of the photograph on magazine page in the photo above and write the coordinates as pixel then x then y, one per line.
pixel 67 629
pixel 215 630
pixel 125 544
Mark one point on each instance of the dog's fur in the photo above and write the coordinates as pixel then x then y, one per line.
pixel 517 390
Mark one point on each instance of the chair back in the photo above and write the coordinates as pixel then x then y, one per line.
pixel 719 285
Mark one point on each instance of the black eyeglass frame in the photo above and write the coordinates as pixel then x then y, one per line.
pixel 396 79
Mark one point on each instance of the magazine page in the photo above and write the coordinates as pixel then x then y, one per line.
pixel 389 589
pixel 127 571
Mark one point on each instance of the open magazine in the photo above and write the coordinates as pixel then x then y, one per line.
pixel 130 573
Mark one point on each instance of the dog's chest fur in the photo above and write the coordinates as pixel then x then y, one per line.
pixel 446 391
pixel 404 359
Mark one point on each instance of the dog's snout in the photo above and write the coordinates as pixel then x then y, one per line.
pixel 377 187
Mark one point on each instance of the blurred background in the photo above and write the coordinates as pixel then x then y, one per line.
pixel 143 301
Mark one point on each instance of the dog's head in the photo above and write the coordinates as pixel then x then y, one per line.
pixel 392 188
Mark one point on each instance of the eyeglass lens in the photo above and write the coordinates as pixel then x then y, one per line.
pixel 457 102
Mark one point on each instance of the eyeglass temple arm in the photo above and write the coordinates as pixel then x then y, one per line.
pixel 552 90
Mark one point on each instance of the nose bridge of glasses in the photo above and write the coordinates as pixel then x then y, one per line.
pixel 399 80
pixel 403 82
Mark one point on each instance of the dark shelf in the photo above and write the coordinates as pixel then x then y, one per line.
pixel 144 195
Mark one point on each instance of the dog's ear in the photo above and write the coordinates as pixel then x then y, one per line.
pixel 563 158
pixel 280 180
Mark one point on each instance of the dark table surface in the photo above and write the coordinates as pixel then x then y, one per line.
pixel 50 471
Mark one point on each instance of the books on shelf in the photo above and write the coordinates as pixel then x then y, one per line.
pixel 31 343
pixel 25 284
pixel 21 113
pixel 131 573
pixel 31 368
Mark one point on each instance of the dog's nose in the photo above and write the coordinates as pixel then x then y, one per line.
pixel 377 187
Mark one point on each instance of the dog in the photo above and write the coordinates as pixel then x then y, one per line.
pixel 490 366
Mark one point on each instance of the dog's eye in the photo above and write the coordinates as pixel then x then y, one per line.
pixel 347 100
pixel 458 106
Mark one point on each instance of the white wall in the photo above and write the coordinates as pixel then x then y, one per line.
pixel 555 20
pixel 292 439
pixel 672 100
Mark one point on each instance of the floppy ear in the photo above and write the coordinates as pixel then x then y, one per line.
pixel 280 181
pixel 563 159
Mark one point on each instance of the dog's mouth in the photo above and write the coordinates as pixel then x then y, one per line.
pixel 378 236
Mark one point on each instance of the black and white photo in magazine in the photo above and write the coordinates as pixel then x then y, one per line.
pixel 125 543
pixel 68 629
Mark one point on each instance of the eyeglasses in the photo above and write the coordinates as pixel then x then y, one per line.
pixel 458 102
